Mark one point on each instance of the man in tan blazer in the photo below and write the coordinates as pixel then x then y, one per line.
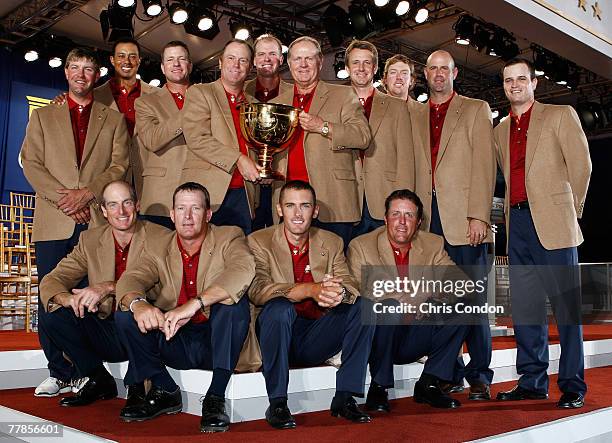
pixel 455 180
pixel 544 155
pixel 81 321
pixel 120 92
pixel 332 130
pixel 70 152
pixel 401 248
pixel 309 308
pixel 199 319
pixel 388 163
pixel 266 86
pixel 217 155
pixel 159 128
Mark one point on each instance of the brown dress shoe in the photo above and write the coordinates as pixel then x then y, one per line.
pixel 480 391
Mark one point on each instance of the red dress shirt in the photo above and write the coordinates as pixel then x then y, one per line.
pixel 301 274
pixel 121 256
pixel 179 98
pixel 437 115
pixel 265 95
pixel 125 102
pixel 79 118
pixel 519 125
pixel 367 110
pixel 237 181
pixel 189 286
pixel 296 163
pixel 401 260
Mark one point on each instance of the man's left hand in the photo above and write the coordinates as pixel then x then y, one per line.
pixel 178 317
pixel 310 122
pixel 88 298
pixel 73 200
pixel 477 231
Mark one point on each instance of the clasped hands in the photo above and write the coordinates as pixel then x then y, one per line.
pixel 328 292
pixel 75 203
pixel 149 317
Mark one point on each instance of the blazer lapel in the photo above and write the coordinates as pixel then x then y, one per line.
pixel 318 256
pixel 174 264
pixel 103 94
pixel 421 119
pixel 96 121
pixel 206 252
pixel 62 119
pixel 504 131
pixel 379 109
pixel 106 254
pixel 452 117
pixel 224 107
pixel 137 244
pixel 281 254
pixel 533 134
pixel 320 97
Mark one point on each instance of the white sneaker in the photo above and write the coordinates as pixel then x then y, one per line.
pixel 78 383
pixel 52 387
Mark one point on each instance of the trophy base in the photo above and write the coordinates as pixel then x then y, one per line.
pixel 271 175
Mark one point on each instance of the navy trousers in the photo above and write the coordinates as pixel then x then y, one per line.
pixel 478 338
pixel 341 229
pixel 48 255
pixel 367 222
pixel 234 211
pixel 88 341
pixel 536 273
pixel 287 339
pixel 214 344
pixel 263 213
pixel 166 222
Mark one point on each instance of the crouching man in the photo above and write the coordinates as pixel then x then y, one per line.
pixel 309 306
pixel 199 320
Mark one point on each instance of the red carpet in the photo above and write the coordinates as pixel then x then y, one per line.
pixel 408 422
pixel 18 340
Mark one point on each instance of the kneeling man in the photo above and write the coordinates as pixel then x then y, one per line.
pixel 199 320
pixel 399 244
pixel 309 306
pixel 81 321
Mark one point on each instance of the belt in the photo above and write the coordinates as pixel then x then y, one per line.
pixel 521 205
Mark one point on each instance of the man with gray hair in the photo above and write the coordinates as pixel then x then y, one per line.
pixel 332 128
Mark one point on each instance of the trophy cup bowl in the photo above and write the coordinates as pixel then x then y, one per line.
pixel 268 128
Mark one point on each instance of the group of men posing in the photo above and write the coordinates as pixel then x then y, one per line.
pixel 188 284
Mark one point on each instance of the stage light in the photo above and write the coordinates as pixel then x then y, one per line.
pixel 495 44
pixel 422 98
pixel 495 113
pixel 240 30
pixel 55 62
pixel 155 82
pixel 138 76
pixel 482 37
pixel 205 23
pixel 420 92
pixel 381 3
pixel 464 30
pixel 422 15
pixel 509 49
pixel 402 8
pixel 377 83
pixel 541 61
pixel 202 23
pixel 126 3
pixel 118 20
pixel 31 55
pixel 340 67
pixel 285 48
pixel 152 7
pixel 103 71
pixel 336 24
pixel 178 13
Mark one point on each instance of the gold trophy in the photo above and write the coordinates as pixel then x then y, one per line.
pixel 268 127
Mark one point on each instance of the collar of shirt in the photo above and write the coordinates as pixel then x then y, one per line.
pixel 303 99
pixel 441 106
pixel 72 105
pixel 368 99
pixel 234 99
pixel 524 115
pixel 295 249
pixel 119 249
pixel 398 253
pixel 264 94
pixel 184 254
pixel 117 89
pixel 177 95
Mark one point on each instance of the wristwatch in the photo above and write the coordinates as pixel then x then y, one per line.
pixel 137 299
pixel 346 295
pixel 325 129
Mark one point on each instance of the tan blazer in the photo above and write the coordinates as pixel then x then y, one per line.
pixel 49 161
pixel 274 269
pixel 212 143
pixel 104 94
pixel 159 127
pixel 557 172
pixel 331 162
pixel 225 261
pixel 465 169
pixel 389 160
pixel 94 257
pixel 249 88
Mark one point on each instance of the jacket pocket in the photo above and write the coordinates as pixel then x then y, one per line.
pixel 154 171
pixel 344 174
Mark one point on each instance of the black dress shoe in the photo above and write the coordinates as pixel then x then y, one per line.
pixel 571 400
pixel 377 399
pixel 100 386
pixel 518 393
pixel 214 418
pixel 135 398
pixel 156 403
pixel 349 410
pixel 430 393
pixel 280 417
pixel 479 391
pixel 451 388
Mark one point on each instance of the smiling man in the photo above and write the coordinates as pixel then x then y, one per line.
pixel 309 309
pixel 199 319
pixel 388 163
pixel 159 125
pixel 332 130
pixel 217 155
pixel 70 152
pixel 544 155
pixel 80 322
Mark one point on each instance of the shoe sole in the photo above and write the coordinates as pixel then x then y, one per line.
pixel 479 397
pixel 287 426
pixel 337 414
pixel 421 401
pixel 168 411
pixel 570 406
pixel 104 397
pixel 522 399
pixel 213 429
pixel 46 394
pixel 376 409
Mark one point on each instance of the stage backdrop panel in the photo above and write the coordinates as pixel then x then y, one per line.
pixel 24 98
